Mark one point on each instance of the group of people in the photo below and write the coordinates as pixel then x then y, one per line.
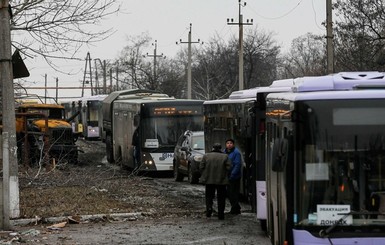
pixel 221 173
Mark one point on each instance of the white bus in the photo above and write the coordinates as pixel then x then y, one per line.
pixel 242 117
pixel 326 160
pixel 143 126
pixel 89 121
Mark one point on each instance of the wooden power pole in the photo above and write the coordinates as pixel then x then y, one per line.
pixel 240 48
pixel 189 42
pixel 329 37
pixel 155 85
pixel 10 204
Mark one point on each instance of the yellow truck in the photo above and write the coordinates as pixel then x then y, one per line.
pixel 44 134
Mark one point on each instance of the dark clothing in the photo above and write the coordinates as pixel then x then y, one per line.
pixel 233 194
pixel 214 169
pixel 136 146
pixel 234 180
pixel 221 199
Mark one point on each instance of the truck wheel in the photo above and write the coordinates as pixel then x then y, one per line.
pixel 109 152
pixel 74 158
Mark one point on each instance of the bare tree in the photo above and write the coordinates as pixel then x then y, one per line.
pixel 58 28
pixel 306 57
pixel 135 71
pixel 172 78
pixel 359 34
pixel 215 74
pixel 261 58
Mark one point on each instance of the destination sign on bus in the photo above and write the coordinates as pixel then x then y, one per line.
pixel 164 111
pixel 331 214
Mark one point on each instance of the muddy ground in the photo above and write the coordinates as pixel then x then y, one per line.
pixel 95 202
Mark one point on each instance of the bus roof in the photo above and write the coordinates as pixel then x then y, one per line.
pixel 154 100
pixel 114 95
pixel 341 85
pixel 98 97
pixel 339 81
pixel 246 95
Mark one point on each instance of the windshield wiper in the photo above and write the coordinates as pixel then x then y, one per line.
pixel 324 233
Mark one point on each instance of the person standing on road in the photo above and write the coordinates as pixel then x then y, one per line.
pixel 214 169
pixel 235 176
pixel 136 145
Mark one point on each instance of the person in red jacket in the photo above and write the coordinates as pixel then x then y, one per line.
pixel 214 169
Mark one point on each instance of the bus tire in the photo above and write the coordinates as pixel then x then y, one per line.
pixel 271 226
pixel 263 224
pixel 109 151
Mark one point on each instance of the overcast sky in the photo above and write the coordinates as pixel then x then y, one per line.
pixel 168 21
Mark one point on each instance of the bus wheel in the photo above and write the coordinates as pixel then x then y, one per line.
pixel 110 155
pixel 271 226
pixel 263 224
pixel 177 176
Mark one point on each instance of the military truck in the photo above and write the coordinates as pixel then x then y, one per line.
pixel 44 134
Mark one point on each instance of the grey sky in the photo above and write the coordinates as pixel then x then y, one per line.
pixel 167 21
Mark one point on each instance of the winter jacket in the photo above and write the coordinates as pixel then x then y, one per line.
pixel 214 168
pixel 236 161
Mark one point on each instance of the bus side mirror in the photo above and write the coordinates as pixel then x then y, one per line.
pixel 280 154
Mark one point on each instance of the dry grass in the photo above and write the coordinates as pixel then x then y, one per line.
pixel 92 187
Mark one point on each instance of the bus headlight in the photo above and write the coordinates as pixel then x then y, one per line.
pixel 148 162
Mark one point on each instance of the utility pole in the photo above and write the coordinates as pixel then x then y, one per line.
pixel 103 65
pixel 189 42
pixel 45 88
pixel 240 49
pixel 117 76
pixel 57 88
pixel 10 184
pixel 88 62
pixel 155 56
pixel 111 88
pixel 329 37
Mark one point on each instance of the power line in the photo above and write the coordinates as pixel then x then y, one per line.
pixel 278 17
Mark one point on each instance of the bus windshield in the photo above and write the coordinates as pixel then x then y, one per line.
pixel 166 130
pixel 341 156
pixel 93 111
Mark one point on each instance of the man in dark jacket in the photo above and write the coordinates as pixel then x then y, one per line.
pixel 214 169
pixel 235 176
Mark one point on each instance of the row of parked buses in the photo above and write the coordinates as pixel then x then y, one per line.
pixel 88 122
pixel 313 150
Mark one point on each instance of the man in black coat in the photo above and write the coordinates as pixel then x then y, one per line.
pixel 214 168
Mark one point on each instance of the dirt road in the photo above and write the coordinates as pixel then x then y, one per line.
pixel 97 203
